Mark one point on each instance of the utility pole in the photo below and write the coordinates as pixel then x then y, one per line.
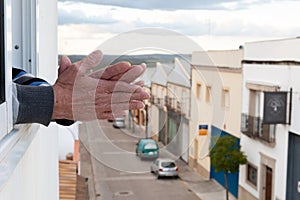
pixel 146 108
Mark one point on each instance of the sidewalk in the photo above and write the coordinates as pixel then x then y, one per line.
pixel 204 189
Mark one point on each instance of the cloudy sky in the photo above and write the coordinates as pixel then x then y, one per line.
pixel 212 24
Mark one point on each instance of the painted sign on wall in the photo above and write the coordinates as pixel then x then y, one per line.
pixel 203 130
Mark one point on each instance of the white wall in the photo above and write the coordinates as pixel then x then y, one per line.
pixel 47 45
pixel 220 58
pixel 286 49
pixel 36 174
pixel 295 82
pixel 285 77
pixel 253 148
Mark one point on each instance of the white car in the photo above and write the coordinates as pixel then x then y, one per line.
pixel 119 123
pixel 164 167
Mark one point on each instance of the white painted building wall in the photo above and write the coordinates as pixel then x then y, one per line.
pixel 35 175
pixel 30 169
pixel 277 75
pixel 157 91
pixel 218 58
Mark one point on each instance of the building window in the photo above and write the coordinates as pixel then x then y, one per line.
pixel 198 90
pixel 225 98
pixel 2 55
pixel 252 123
pixel 255 103
pixel 208 94
pixel 252 175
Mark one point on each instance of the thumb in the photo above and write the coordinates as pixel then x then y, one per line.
pixel 65 62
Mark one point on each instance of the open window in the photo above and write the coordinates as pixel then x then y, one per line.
pixel 18 48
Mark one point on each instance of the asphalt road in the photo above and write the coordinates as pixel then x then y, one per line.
pixel 108 159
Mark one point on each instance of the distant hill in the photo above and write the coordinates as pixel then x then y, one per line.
pixel 149 59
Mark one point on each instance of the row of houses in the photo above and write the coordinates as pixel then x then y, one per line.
pixel 251 93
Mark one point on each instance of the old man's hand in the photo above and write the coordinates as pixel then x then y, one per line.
pixel 104 94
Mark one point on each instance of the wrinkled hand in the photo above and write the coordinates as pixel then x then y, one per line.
pixel 103 94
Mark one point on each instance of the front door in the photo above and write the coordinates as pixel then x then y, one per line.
pixel 268 194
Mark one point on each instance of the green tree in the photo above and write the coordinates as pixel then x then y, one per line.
pixel 226 156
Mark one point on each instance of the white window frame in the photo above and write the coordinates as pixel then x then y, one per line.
pixel 25 44
pixel 6 123
pixel 253 185
pixel 20 40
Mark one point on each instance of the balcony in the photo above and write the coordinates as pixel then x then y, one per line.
pixel 254 128
pixel 157 101
pixel 174 105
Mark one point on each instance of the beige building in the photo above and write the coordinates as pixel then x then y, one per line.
pixel 216 100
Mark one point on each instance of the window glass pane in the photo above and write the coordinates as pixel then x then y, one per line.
pixel 168 164
pixel 225 98
pixel 2 60
pixel 150 146
pixel 198 90
pixel 208 93
pixel 252 174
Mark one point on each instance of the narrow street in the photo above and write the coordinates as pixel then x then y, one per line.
pixel 108 159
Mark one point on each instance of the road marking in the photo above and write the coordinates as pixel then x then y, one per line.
pixel 126 178
pixel 117 152
pixel 116 141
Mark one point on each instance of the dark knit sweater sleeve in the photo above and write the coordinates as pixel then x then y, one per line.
pixel 35 104
pixel 33 100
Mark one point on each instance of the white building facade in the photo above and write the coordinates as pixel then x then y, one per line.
pixel 158 109
pixel 270 116
pixel 178 109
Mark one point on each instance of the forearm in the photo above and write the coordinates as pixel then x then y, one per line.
pixel 33 104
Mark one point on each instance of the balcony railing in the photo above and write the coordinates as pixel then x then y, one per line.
pixel 157 101
pixel 174 105
pixel 254 128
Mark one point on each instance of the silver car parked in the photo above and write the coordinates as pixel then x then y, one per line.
pixel 119 123
pixel 164 167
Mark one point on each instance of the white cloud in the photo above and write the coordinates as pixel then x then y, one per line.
pixel 268 20
pixel 166 4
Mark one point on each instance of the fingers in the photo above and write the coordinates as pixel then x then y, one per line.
pixel 117 86
pixel 64 64
pixel 90 61
pixel 112 71
pixel 118 107
pixel 122 71
pixel 140 83
pixel 111 115
pixel 121 97
pixel 133 73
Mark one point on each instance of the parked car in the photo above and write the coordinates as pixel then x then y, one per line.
pixel 147 148
pixel 119 123
pixel 164 167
